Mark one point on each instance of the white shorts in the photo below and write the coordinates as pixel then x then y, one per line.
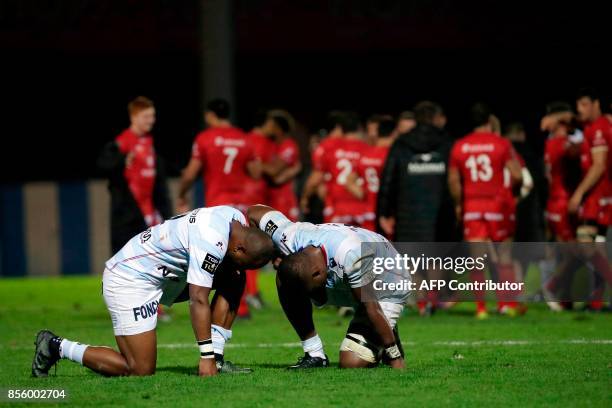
pixel 391 311
pixel 133 309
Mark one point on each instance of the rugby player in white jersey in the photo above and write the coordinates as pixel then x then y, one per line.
pixel 328 264
pixel 184 257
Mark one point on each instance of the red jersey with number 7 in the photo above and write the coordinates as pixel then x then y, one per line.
pixel 480 158
pixel 224 153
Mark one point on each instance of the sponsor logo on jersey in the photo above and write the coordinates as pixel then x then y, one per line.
pixel 192 216
pixel 372 161
pixel 347 154
pixel 476 148
pixel 167 274
pixel 271 228
pixel 221 141
pixel 145 311
pixel 210 263
pixel 145 236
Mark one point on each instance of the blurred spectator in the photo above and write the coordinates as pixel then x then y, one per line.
pixel 137 181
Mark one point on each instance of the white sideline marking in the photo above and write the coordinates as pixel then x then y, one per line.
pixel 451 343
pixel 233 345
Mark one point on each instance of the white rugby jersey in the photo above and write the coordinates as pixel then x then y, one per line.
pixel 187 248
pixel 347 265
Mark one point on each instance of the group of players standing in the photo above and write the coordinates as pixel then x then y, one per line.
pixel 403 195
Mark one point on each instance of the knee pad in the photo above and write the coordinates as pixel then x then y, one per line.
pixel 357 344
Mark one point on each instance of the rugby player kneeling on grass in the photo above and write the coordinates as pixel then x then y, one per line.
pixel 182 258
pixel 324 264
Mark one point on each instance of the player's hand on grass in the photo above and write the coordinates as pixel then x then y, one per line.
pixel 207 367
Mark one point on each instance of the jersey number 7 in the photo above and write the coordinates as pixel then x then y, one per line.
pixel 230 154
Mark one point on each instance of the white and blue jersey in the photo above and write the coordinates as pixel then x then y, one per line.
pixel 185 249
pixel 349 261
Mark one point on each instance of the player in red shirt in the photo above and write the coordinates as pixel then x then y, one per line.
pixel 476 183
pixel 593 195
pixel 288 165
pixel 319 180
pixel 279 156
pixel 257 191
pixel 559 148
pixel 340 159
pixel 561 151
pixel 226 158
pixel 592 199
pixel 140 164
pixel 365 182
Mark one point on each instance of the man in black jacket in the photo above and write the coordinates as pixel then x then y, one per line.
pixel 137 180
pixel 413 201
pixel 414 204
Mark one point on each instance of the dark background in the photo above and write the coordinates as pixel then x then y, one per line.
pixel 70 68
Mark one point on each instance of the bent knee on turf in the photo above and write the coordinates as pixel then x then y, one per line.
pixel 140 371
pixel 349 359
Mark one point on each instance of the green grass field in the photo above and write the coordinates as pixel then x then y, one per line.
pixel 453 360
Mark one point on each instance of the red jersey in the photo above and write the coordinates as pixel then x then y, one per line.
pixel 140 171
pixel 597 137
pixel 369 169
pixel 257 191
pixel 282 197
pixel 340 160
pixel 224 153
pixel 554 153
pixel 318 159
pixel 481 158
